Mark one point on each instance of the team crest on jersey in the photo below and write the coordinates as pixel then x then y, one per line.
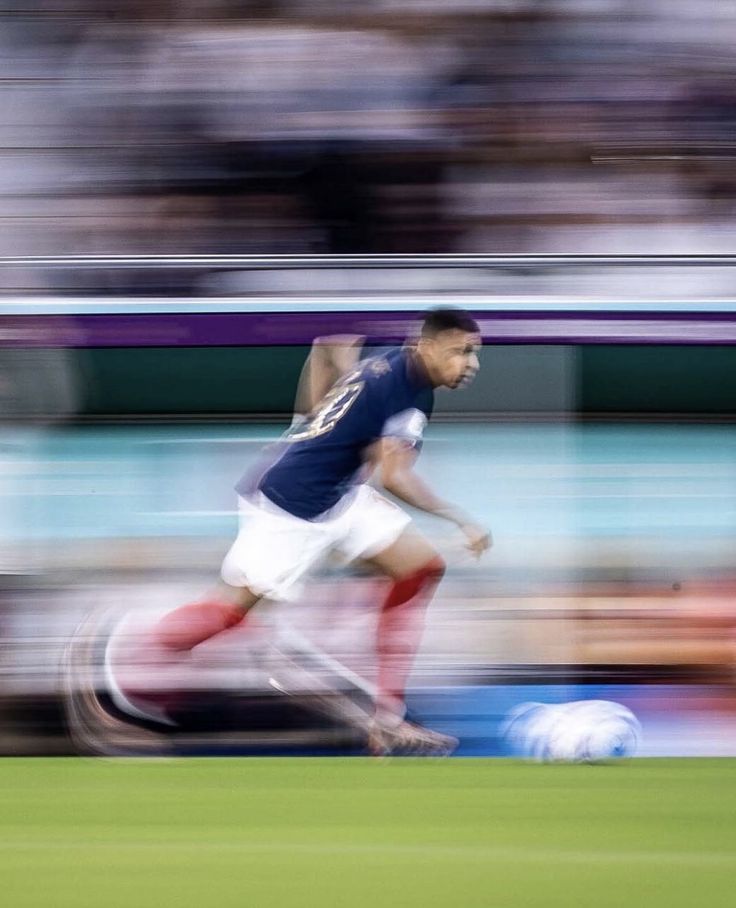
pixel 332 409
pixel 379 366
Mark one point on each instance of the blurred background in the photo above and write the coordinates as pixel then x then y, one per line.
pixel 191 192
pixel 384 126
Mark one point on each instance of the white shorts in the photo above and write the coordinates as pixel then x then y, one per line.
pixel 275 550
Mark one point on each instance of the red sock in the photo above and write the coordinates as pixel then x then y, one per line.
pixel 400 627
pixel 191 624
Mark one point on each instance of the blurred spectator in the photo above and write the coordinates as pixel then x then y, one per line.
pixel 390 126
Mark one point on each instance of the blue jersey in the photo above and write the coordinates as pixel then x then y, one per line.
pixel 323 455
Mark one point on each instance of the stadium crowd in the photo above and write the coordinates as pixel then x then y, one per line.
pixel 385 126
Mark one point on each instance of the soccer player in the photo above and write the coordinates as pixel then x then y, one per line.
pixel 312 498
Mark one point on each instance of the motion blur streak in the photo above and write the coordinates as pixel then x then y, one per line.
pixel 612 565
pixel 382 126
pixel 597 442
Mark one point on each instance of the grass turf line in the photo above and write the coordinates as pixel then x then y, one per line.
pixel 301 832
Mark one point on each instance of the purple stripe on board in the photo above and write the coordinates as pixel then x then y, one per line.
pixel 287 328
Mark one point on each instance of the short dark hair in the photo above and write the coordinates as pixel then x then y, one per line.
pixel 448 318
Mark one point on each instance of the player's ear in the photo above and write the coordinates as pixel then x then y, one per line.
pixel 424 344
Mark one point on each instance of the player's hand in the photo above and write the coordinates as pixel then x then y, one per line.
pixel 477 538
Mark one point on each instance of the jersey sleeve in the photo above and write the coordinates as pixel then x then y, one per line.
pixel 408 426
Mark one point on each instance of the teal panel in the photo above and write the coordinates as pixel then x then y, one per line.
pixel 190 380
pixel 657 379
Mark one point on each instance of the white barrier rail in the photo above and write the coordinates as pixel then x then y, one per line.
pixel 284 262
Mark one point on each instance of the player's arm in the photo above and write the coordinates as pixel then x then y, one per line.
pixel 329 359
pixel 398 477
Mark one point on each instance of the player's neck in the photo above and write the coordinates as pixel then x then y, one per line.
pixel 421 370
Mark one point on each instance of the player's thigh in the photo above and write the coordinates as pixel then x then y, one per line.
pixel 406 555
pixel 243 597
pixel 371 525
pixel 272 554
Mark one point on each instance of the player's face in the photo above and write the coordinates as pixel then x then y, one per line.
pixel 451 357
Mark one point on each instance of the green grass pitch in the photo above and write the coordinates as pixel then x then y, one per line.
pixel 256 833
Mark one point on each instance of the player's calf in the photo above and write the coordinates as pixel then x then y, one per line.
pixel 400 629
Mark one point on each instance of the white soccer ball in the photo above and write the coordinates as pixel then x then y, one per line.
pixel 585 731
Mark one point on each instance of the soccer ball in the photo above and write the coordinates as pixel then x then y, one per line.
pixel 585 731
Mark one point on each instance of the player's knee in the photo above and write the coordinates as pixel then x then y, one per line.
pixel 431 572
pixel 421 580
pixel 435 568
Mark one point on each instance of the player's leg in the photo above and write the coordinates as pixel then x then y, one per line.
pixel 380 534
pixel 414 569
pixel 268 560
pixel 148 663
pixel 191 624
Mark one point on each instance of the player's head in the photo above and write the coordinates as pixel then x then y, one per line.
pixel 448 347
